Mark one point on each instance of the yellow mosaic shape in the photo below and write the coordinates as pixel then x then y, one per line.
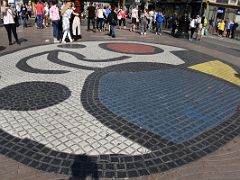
pixel 218 69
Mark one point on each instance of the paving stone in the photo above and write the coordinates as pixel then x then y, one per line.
pixel 66 101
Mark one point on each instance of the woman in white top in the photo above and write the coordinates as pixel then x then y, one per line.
pixel 66 15
pixel 134 18
pixel 100 17
pixel 8 21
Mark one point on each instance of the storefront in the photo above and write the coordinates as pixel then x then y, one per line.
pixel 221 11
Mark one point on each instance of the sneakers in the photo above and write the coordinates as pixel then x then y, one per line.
pixel 145 34
pixel 55 40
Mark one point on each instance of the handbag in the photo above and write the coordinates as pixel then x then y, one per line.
pixel 16 20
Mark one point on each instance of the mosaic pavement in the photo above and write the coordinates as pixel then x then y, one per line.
pixel 115 109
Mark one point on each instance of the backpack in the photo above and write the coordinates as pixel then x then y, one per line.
pixel 112 20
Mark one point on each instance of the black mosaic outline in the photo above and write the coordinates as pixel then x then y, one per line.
pixel 53 57
pixel 71 46
pixel 157 50
pixel 197 147
pixel 32 95
pixel 22 65
pixel 168 156
pixel 186 56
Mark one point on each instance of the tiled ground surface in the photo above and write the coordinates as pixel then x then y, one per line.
pixel 110 114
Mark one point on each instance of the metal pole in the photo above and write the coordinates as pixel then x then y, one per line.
pixel 201 8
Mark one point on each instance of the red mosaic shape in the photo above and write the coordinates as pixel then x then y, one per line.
pixel 131 48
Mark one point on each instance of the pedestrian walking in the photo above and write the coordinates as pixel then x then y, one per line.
pixel 24 15
pixel 229 27
pixel 100 17
pixel 233 29
pixel 112 19
pixel 221 28
pixel 173 23
pixel 66 15
pixel 8 14
pixel 160 19
pixel 76 25
pixel 193 25
pixel 122 18
pixel 91 16
pixel 55 18
pixel 199 27
pixel 135 18
pixel 29 9
pixel 46 14
pixel 39 9
pixel 144 22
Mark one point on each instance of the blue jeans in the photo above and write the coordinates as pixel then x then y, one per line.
pixel 24 21
pixel 159 27
pixel 112 31
pixel 55 28
pixel 40 21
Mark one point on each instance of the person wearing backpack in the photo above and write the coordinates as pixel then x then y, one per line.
pixel 112 19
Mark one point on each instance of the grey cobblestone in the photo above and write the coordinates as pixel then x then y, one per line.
pixel 80 124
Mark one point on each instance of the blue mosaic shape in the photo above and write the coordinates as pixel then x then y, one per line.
pixel 176 104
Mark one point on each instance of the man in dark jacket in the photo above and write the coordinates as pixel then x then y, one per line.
pixel 112 19
pixel 233 29
pixel 91 16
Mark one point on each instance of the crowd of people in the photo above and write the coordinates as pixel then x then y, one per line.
pixel 66 20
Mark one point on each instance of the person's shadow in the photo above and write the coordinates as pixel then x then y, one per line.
pixel 84 167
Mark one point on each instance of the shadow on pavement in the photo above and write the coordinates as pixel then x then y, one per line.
pixel 22 40
pixel 2 48
pixel 84 167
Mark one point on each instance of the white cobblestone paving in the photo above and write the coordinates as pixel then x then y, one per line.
pixel 67 126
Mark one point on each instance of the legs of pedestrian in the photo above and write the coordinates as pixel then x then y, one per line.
pixel 13 28
pixel 112 32
pixel 88 23
pixel 8 29
pixel 40 21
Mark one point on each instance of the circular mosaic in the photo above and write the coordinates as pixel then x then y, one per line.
pixel 131 48
pixel 32 95
pixel 107 115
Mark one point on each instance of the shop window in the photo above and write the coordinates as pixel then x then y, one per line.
pixel 232 1
pixel 222 1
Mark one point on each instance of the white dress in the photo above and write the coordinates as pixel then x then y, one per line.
pixel 66 19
